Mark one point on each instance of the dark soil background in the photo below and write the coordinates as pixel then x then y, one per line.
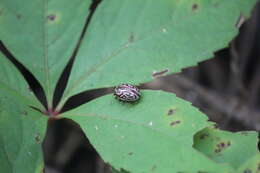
pixel 226 88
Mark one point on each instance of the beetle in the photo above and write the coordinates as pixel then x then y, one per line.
pixel 127 93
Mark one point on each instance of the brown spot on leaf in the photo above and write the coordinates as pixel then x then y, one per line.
pixel 51 17
pixel 159 73
pixel 24 113
pixel 154 167
pixel 217 150
pixel 228 143
pixel 221 145
pixel 171 112
pixel 175 122
pixel 18 16
pixel 194 7
pixel 130 153
pixel 131 38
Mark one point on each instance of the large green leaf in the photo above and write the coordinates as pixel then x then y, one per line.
pixel 128 40
pixel 42 34
pixel 155 134
pixel 227 147
pixel 21 132
pixel 21 128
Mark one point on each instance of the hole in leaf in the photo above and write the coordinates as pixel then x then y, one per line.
pixel 51 17
pixel 194 7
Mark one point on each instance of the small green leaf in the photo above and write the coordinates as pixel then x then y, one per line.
pixel 227 147
pixel 22 129
pixel 152 135
pixel 21 133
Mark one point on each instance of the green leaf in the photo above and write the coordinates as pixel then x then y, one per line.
pixel 251 166
pixel 21 133
pixel 155 134
pixel 21 128
pixel 42 34
pixel 227 147
pixel 129 40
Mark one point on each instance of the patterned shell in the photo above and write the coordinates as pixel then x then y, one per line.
pixel 127 93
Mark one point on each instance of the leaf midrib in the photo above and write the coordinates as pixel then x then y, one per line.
pixel 45 52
